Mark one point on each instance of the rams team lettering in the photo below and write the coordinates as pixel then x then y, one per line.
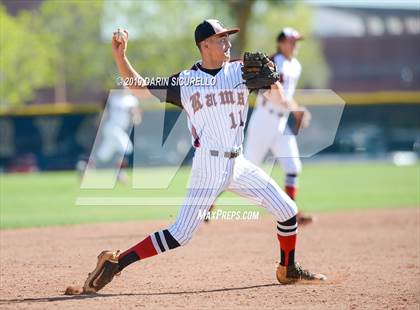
pixel 225 97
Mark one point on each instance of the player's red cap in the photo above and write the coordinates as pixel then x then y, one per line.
pixel 289 33
pixel 211 27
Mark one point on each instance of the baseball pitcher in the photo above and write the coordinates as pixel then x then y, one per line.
pixel 216 119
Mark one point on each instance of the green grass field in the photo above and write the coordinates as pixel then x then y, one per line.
pixel 46 199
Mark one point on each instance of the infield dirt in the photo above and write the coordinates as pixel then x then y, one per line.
pixel 371 258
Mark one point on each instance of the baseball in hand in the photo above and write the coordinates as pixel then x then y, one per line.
pixel 120 36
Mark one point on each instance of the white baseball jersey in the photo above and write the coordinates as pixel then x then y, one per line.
pixel 115 138
pixel 217 111
pixel 289 71
pixel 118 107
pixel 216 118
pixel 267 129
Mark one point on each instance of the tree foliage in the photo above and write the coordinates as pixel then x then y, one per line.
pixel 24 60
pixel 68 42
pixel 75 28
pixel 269 17
pixel 161 33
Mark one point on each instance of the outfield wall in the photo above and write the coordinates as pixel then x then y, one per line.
pixel 55 137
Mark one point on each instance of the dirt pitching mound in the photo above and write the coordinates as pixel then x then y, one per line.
pixel 371 259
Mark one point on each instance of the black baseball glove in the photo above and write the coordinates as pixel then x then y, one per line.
pixel 258 71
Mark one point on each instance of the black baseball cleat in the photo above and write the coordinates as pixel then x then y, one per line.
pixel 105 270
pixel 295 273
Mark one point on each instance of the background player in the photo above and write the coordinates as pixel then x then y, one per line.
pixel 268 128
pixel 121 111
pixel 216 119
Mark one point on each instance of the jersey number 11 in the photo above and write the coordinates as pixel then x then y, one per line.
pixel 233 121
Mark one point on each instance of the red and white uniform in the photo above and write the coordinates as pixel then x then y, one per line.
pixel 216 119
pixel 268 130
pixel 115 137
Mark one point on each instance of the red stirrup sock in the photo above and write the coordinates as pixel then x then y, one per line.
pixel 291 183
pixel 286 234
pixel 152 245
pixel 291 191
